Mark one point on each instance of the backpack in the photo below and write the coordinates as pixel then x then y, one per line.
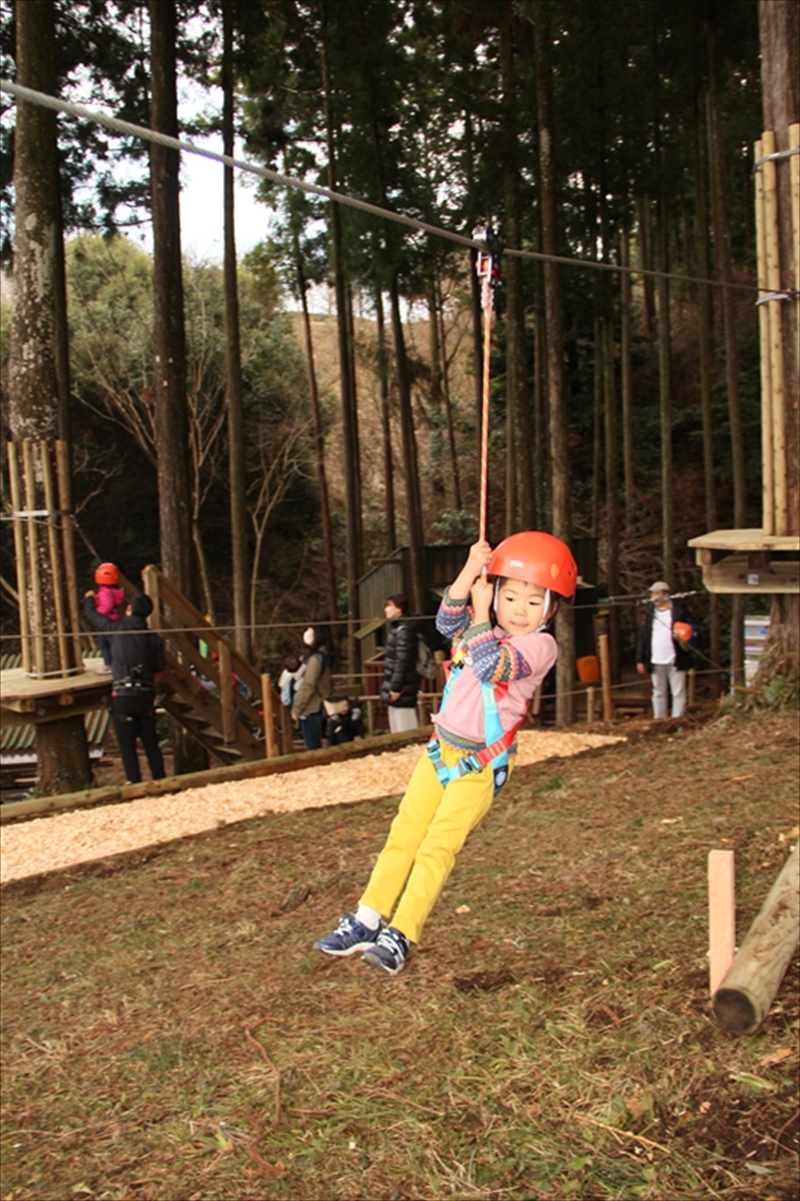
pixel 426 664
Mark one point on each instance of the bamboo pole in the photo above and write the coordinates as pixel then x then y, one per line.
pixel 19 556
pixel 605 677
pixel 721 916
pixel 767 462
pixel 55 559
pixel 269 715
pixel 742 1001
pixel 39 666
pixel 590 704
pixel 775 336
pixel 68 544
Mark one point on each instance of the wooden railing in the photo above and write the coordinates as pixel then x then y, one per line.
pixel 223 689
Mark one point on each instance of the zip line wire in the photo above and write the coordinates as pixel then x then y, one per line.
pixel 117 125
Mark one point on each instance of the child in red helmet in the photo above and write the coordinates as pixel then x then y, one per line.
pixel 110 601
pixel 502 652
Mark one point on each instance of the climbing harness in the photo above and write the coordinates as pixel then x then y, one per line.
pixel 498 742
pixel 487 267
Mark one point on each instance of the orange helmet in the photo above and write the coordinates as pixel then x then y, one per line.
pixel 107 573
pixel 682 630
pixel 538 559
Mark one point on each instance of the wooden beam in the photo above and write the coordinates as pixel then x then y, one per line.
pixel 605 677
pixel 742 1001
pixel 733 575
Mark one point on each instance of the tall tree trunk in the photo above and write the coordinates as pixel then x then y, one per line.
pixel 597 423
pixel 61 750
pixel 559 448
pixel 779 31
pixel 386 427
pixel 448 404
pixel 520 501
pixel 625 376
pixel 169 342
pixel 612 507
pixel 475 287
pixel 437 465
pixel 722 259
pixel 646 254
pixel 665 392
pixel 352 483
pixel 413 501
pixel 704 342
pixel 319 438
pixel 240 564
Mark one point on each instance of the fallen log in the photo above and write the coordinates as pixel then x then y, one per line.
pixel 742 1000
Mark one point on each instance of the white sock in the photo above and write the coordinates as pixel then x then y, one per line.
pixel 368 917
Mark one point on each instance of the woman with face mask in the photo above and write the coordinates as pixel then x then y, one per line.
pixel 315 685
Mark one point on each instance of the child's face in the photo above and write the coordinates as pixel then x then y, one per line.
pixel 520 607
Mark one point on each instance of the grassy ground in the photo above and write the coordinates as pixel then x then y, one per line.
pixel 168 1032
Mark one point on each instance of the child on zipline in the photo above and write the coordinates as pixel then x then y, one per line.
pixel 502 652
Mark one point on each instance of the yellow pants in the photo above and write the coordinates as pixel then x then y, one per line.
pixel 429 830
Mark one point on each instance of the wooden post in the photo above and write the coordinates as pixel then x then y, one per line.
pixel 68 544
pixel 39 665
pixel 19 555
pixel 775 336
pixel 767 464
pixel 605 677
pixel 53 542
pixel 748 989
pixel 150 584
pixel 721 916
pixel 226 692
pixel 269 715
pixel 794 185
pixel 692 679
pixel 590 704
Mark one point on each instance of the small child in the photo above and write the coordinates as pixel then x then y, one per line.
pixel 502 654
pixel 109 601
pixel 289 678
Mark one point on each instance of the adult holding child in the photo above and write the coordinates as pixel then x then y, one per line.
pixel 400 680
pixel 137 658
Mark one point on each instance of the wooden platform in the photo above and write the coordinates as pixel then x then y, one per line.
pixel 25 699
pixel 748 561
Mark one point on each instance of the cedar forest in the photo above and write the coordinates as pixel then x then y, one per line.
pixel 623 407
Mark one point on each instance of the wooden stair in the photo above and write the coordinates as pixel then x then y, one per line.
pixel 208 687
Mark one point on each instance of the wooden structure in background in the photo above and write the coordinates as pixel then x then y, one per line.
pixel 39 482
pixel 765 560
pixel 211 690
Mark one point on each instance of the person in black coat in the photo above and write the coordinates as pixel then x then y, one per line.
pixel 660 653
pixel 400 679
pixel 137 657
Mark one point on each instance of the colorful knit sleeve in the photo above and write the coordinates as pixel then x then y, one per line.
pixel 454 616
pixel 495 662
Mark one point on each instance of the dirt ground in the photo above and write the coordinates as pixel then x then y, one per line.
pixel 169 1032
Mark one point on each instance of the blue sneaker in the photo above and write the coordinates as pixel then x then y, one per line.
pixel 389 951
pixel 348 937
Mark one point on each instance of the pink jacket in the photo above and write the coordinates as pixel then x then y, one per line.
pixel 108 600
pixel 516 666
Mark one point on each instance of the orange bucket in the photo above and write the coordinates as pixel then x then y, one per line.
pixel 588 669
